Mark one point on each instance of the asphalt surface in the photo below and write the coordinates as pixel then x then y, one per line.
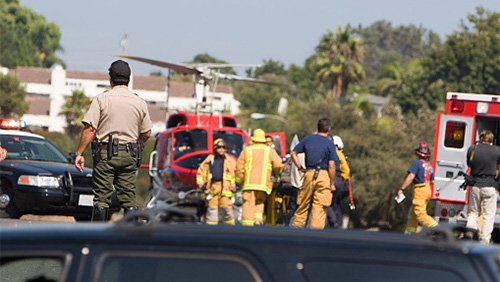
pixel 28 219
pixel 35 219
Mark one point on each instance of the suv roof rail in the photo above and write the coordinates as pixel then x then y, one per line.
pixel 151 217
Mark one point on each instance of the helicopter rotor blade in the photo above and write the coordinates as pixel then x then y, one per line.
pixel 176 67
pixel 219 66
pixel 247 79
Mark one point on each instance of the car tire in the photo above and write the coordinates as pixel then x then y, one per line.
pixel 11 210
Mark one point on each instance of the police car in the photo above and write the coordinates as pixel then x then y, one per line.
pixel 37 178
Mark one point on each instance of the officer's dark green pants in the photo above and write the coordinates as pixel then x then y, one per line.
pixel 120 172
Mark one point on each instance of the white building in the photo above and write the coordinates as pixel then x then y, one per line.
pixel 48 89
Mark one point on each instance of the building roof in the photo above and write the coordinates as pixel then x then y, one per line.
pixel 32 74
pixel 140 82
pixel 86 75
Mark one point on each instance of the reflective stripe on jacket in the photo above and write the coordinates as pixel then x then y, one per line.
pixel 204 176
pixel 255 166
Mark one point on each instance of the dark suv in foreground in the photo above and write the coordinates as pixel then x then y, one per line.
pixel 138 248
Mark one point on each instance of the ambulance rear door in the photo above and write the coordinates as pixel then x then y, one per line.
pixel 453 138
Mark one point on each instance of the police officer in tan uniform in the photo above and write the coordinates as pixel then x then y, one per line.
pixel 120 117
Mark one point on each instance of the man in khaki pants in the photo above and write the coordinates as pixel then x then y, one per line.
pixel 319 175
pixel 484 162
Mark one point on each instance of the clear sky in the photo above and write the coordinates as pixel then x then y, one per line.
pixel 236 31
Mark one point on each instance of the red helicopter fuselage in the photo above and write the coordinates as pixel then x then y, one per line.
pixel 187 142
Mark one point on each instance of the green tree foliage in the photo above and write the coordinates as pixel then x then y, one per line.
pixel 263 98
pixel 12 103
pixel 304 84
pixel 383 44
pixel 269 67
pixel 469 60
pixel 73 111
pixel 338 61
pixel 27 39
pixel 403 82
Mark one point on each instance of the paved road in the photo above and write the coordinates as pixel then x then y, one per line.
pixel 35 219
pixel 28 219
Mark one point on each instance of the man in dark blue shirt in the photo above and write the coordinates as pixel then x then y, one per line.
pixel 319 175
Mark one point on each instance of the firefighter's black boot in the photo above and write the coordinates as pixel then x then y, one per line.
pixel 99 214
pixel 129 209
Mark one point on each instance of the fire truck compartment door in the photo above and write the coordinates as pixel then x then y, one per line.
pixel 454 138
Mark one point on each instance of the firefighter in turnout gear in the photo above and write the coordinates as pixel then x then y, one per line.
pixel 215 177
pixel 335 210
pixel 421 174
pixel 319 176
pixel 253 171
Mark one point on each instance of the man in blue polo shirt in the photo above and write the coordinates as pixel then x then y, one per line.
pixel 319 175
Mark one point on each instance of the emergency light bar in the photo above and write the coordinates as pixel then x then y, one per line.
pixel 12 124
pixel 457 106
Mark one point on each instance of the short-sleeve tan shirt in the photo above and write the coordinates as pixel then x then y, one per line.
pixel 120 112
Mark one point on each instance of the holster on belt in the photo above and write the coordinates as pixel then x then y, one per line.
pixel 110 146
pixel 136 150
pixel 116 143
pixel 316 171
pixel 96 149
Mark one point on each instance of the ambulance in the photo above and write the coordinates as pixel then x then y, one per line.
pixel 466 115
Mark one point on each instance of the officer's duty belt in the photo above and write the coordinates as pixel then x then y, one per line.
pixel 122 147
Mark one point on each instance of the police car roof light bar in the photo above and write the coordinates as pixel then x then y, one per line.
pixel 12 124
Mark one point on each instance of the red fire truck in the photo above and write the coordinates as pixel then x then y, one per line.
pixel 457 128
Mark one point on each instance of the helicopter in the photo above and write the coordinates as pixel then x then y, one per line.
pixel 188 140
pixel 203 74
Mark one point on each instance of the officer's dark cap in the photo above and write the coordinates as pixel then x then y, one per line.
pixel 119 69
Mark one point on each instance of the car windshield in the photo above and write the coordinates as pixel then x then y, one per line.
pixel 31 148
pixel 235 142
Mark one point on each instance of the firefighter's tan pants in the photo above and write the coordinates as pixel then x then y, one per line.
pixel 418 211
pixel 253 207
pixel 315 196
pixel 219 203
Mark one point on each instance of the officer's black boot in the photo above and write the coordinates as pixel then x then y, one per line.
pixel 99 214
pixel 129 209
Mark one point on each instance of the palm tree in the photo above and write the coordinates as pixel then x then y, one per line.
pixel 73 111
pixel 403 83
pixel 339 61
